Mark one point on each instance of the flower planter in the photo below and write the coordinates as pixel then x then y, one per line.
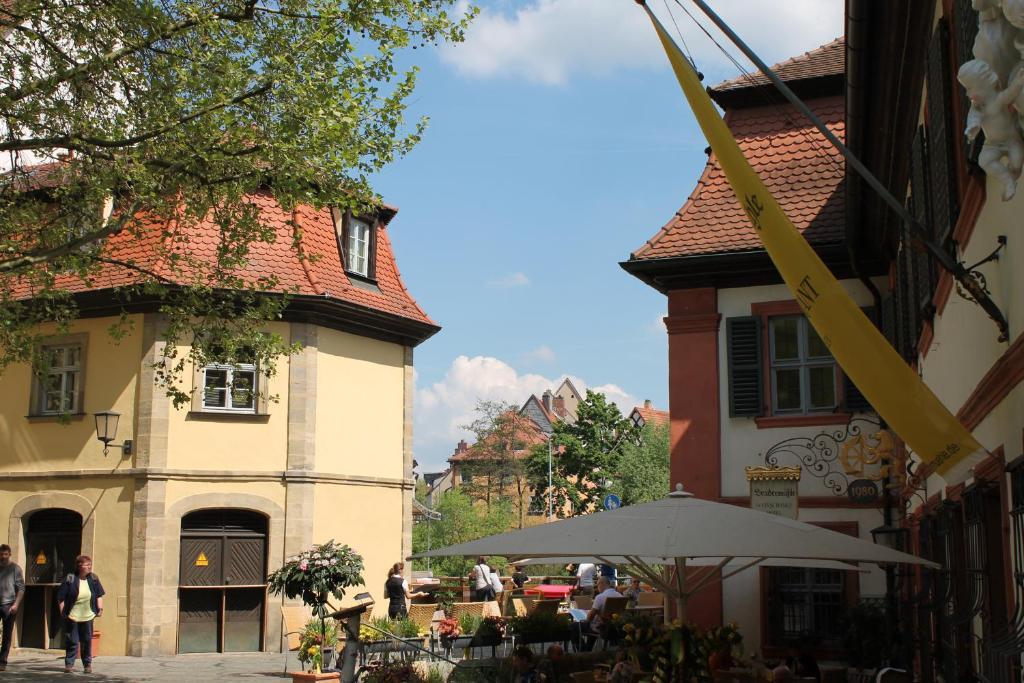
pixel 312 676
pixel 389 645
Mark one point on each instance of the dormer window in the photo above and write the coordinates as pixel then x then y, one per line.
pixel 356 241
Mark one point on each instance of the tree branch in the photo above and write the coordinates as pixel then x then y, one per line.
pixel 78 141
pixel 44 255
pixel 51 82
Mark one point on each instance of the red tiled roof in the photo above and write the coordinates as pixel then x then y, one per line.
pixel 827 60
pixel 652 416
pixel 530 435
pixel 303 259
pixel 798 166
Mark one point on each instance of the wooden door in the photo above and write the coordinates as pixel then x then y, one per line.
pixel 53 539
pixel 223 582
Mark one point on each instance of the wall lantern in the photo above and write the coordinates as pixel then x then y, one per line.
pixel 106 431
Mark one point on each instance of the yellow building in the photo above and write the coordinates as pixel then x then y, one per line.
pixel 185 525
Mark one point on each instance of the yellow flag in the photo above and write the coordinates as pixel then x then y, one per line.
pixel 892 387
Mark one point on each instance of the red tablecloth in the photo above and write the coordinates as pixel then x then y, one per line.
pixel 551 590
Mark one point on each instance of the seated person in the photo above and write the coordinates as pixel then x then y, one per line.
pixel 552 669
pixel 522 665
pixel 633 592
pixel 604 591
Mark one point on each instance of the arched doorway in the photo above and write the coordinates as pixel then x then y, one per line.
pixel 53 538
pixel 222 592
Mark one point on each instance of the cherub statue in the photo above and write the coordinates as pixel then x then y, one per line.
pixel 990 112
pixel 996 32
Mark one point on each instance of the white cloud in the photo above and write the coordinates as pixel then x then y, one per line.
pixel 541 354
pixel 511 280
pixel 548 41
pixel 441 408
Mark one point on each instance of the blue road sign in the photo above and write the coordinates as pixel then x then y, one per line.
pixel 612 502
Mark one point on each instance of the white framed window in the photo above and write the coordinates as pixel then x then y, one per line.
pixel 357 246
pixel 59 384
pixel 803 372
pixel 230 388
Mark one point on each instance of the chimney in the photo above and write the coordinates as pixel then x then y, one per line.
pixel 546 400
pixel 559 405
pixel 461 448
pixel 647 403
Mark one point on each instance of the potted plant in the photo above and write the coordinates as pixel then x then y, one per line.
pixel 316 575
pixel 447 631
pixel 317 644
pixel 489 633
pixel 394 672
pixel 542 628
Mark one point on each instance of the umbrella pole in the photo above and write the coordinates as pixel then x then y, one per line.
pixel 681 588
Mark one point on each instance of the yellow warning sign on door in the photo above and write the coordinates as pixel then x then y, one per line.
pixel 201 561
pixel 41 558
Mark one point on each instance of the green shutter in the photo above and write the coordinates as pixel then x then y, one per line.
pixel 853 400
pixel 746 383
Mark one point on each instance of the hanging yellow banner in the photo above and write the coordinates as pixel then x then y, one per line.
pixel 888 383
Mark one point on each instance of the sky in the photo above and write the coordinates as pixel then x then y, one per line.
pixel 558 143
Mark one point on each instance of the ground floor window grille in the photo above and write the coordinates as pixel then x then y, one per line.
pixel 805 604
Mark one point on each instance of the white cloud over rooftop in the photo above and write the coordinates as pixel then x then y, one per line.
pixel 550 41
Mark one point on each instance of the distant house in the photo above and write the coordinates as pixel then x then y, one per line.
pixel 495 467
pixel 647 414
pixel 551 407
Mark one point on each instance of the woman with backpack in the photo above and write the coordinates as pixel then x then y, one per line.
pixel 80 600
pixel 482 580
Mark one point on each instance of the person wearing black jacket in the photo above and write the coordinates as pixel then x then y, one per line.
pixel 80 600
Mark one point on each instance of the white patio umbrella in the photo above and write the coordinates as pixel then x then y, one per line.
pixel 686 529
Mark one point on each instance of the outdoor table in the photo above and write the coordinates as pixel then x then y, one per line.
pixel 548 590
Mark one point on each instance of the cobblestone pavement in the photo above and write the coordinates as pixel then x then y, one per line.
pixel 40 665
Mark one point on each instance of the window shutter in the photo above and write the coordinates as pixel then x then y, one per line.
pixel 965 21
pixel 853 400
pixel 746 388
pixel 941 162
pixel 906 307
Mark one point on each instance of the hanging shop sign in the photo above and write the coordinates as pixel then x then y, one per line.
pixel 775 490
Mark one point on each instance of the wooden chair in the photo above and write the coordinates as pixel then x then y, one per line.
pixel 521 606
pixel 474 608
pixel 423 616
pixel 547 606
pixel 584 602
pixel 295 619
pixel 654 599
pixel 612 607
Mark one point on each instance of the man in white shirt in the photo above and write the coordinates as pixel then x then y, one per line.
pixel 605 591
pixel 585 578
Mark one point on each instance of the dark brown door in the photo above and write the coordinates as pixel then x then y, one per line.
pixel 53 539
pixel 223 581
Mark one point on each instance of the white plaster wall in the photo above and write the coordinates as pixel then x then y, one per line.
pixel 743 444
pixel 964 346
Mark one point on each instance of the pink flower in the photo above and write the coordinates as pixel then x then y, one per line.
pixel 304 565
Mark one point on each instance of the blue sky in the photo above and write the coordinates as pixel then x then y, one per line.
pixel 558 142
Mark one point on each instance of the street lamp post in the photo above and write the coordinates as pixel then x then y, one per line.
pixel 550 506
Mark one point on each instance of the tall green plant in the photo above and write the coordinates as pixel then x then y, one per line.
pixel 461 520
pixel 589 454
